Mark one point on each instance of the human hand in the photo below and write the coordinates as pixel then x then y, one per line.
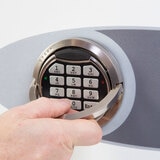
pixel 33 131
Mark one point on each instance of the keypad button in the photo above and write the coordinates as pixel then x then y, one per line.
pixel 56 80
pixel 90 82
pixel 90 70
pixel 91 94
pixel 81 86
pixel 88 104
pixel 76 105
pixel 73 81
pixel 57 91
pixel 73 93
pixel 57 68
pixel 73 70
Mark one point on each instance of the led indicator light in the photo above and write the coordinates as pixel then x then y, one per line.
pixel 45 78
pixel 102 82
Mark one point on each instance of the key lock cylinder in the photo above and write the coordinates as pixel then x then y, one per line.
pixel 85 72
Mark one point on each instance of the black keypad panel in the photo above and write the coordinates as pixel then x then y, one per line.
pixel 82 82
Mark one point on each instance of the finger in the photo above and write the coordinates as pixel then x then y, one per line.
pixel 46 108
pixel 83 132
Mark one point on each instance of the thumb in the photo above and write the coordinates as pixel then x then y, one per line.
pixel 45 108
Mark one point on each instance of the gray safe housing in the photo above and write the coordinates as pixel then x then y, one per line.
pixel 125 62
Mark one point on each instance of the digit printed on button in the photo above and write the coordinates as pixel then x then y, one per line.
pixel 91 94
pixel 56 80
pixel 90 82
pixel 76 105
pixel 73 93
pixel 56 91
pixel 57 68
pixel 73 70
pixel 90 70
pixel 73 81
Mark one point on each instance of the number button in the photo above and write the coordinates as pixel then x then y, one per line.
pixel 90 71
pixel 57 68
pixel 76 105
pixel 56 80
pixel 90 82
pixel 73 93
pixel 73 70
pixel 73 81
pixel 57 92
pixel 91 94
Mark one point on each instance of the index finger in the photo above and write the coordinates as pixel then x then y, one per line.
pixel 45 108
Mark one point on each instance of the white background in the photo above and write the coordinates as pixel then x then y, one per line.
pixel 23 18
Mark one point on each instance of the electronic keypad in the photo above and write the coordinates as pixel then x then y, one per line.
pixel 83 71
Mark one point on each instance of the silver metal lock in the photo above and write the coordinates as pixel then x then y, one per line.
pixel 83 71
